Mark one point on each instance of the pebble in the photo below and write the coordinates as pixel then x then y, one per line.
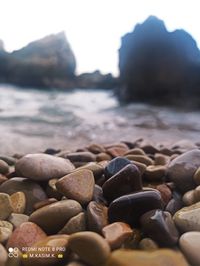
pixel 129 208
pixel 25 235
pixel 196 176
pixel 97 216
pixel 135 151
pixel 189 243
pixel 126 181
pixel 98 195
pixel 83 156
pixel 140 158
pixel 5 233
pixel 160 257
pixel 174 204
pixel 115 165
pixel 51 189
pixel 197 194
pixel 117 233
pixel 188 198
pixel 182 168
pixel 165 192
pixel 3 255
pixel 160 159
pixel 5 206
pixel 9 160
pixel 188 218
pixel 33 191
pixel 42 167
pixel 18 201
pixel 96 148
pixel 155 172
pixel 103 157
pixel 78 185
pixel 96 169
pixel 117 151
pixel 43 203
pixel 53 217
pixel 75 224
pixel 141 166
pixel 90 247
pixel 16 219
pixel 160 226
pixel 6 224
pixel 148 244
pixel 4 168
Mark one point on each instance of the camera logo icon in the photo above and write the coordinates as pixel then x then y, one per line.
pixel 13 252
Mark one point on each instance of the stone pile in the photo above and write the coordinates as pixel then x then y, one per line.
pixel 124 204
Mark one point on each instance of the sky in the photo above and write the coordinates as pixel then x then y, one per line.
pixel 93 27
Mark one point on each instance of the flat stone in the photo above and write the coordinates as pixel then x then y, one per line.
pixel 33 191
pixel 155 172
pixel 160 227
pixel 181 170
pixel 116 151
pixel 117 233
pixel 126 181
pixel 42 167
pixel 98 195
pixel 115 165
pixel 141 166
pixel 188 218
pixel 90 247
pixel 18 200
pixel 97 216
pixel 160 159
pixel 53 217
pixel 3 255
pixel 160 257
pixel 75 224
pixel 148 244
pixel 78 185
pixel 57 251
pixel 16 219
pixel 135 151
pixel 4 168
pixel 25 235
pixel 5 233
pixel 129 208
pixel 5 206
pixel 189 243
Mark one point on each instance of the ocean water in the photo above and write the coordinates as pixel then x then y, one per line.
pixel 32 120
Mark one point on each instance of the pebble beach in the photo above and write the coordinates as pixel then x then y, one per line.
pixel 120 204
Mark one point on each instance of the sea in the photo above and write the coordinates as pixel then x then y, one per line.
pixel 32 120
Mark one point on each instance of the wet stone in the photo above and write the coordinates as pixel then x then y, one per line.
pixel 53 217
pixel 78 185
pixel 115 165
pixel 127 180
pixel 117 151
pixel 4 168
pixel 189 244
pixel 18 200
pixel 75 224
pixel 97 216
pixel 117 233
pixel 5 206
pixel 129 208
pixel 148 244
pixel 103 157
pixel 8 159
pixel 42 167
pixel 181 170
pixel 160 226
pixel 90 247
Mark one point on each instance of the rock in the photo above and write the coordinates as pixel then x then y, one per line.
pixel 75 224
pixel 33 191
pixel 129 208
pixel 6 224
pixel 188 198
pixel 83 156
pixel 90 247
pixel 189 243
pixel 51 189
pixel 4 168
pixel 140 158
pixel 53 217
pixel 18 201
pixel 135 151
pixel 160 226
pixel 117 233
pixel 148 244
pixel 3 255
pixel 25 235
pixel 5 233
pixel 96 169
pixel 115 165
pixel 9 160
pixel 97 216
pixel 160 159
pixel 116 151
pixel 155 172
pixel 43 203
pixel 103 157
pixel 141 166
pixel 16 219
pixel 78 185
pixel 57 251
pixel 42 167
pixel 98 195
pixel 126 181
pixel 165 192
pixel 96 148
pixel 182 168
pixel 5 206
pixel 153 61
pixel 174 205
pixel 188 218
pixel 197 194
pixel 197 176
pixel 159 257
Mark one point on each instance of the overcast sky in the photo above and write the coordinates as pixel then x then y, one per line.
pixel 93 27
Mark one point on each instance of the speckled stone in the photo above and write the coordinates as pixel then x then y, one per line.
pixel 188 218
pixel 90 247
pixel 5 206
pixel 189 244
pixel 42 167
pixel 53 217
pixel 18 200
pixel 5 233
pixel 160 257
pixel 78 185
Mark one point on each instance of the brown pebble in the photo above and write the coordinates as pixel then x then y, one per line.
pixel 154 172
pixel 75 224
pixel 43 203
pixel 140 158
pixel 148 244
pixel 18 200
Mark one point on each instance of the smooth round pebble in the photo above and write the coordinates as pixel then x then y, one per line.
pixel 5 206
pixel 115 165
pixel 16 219
pixel 5 233
pixel 3 255
pixel 4 168
pixel 90 247
pixel 75 224
pixel 18 200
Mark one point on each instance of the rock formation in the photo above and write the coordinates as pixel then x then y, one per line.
pixel 158 66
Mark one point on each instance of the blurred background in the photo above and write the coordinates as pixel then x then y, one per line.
pixel 74 72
